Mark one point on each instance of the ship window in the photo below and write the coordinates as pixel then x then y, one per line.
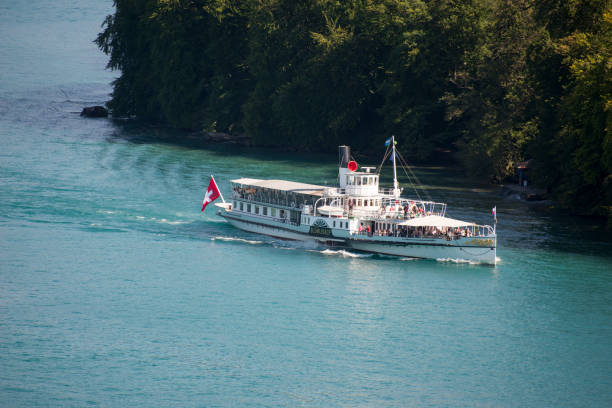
pixel 241 206
pixel 265 211
pixel 273 212
pixel 365 203
pixel 256 209
pixel 248 207
pixel 334 224
pixel 348 180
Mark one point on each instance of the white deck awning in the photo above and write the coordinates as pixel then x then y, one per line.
pixel 435 221
pixel 282 185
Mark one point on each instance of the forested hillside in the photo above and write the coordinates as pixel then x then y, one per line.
pixel 497 81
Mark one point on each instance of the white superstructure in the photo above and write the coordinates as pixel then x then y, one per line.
pixel 357 214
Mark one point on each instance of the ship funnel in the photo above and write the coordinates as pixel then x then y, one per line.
pixel 344 156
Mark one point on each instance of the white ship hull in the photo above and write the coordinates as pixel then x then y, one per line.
pixel 433 249
pixel 478 250
pixel 284 231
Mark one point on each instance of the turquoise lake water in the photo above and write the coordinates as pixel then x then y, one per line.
pixel 116 291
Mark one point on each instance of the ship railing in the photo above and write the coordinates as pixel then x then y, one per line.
pixel 365 214
pixel 334 192
pixel 449 234
pixel 413 208
pixel 387 191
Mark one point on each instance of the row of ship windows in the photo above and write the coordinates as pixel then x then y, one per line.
pixel 255 209
pixel 367 203
pixel 361 180
pixel 271 211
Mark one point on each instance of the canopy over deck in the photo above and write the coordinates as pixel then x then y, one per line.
pixel 435 221
pixel 282 185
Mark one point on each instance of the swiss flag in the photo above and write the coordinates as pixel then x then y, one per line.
pixel 212 193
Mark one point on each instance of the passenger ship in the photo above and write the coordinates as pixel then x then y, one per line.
pixel 357 214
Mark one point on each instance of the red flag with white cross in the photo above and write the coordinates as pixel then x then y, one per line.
pixel 212 193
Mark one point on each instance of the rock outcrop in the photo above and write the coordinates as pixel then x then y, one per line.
pixel 94 112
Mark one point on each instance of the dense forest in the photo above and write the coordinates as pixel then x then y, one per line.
pixel 495 81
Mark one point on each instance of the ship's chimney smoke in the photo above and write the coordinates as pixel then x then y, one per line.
pixel 344 156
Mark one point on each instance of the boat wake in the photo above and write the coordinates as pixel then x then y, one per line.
pixel 343 253
pixel 169 222
pixel 231 239
pixel 457 261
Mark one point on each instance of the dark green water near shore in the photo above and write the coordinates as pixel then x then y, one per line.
pixel 116 291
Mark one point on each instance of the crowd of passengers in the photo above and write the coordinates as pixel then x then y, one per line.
pixel 396 211
pixel 417 232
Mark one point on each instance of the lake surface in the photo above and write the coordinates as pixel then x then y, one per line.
pixel 116 291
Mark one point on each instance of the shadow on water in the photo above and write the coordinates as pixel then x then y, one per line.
pixel 138 132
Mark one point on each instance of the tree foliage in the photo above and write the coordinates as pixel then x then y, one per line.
pixel 497 81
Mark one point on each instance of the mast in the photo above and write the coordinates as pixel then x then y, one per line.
pixel 396 190
pixel 218 189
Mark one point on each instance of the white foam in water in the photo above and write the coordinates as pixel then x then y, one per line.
pixel 165 221
pixel 343 253
pixel 230 239
pixel 455 260
pixel 409 259
pixel 160 221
